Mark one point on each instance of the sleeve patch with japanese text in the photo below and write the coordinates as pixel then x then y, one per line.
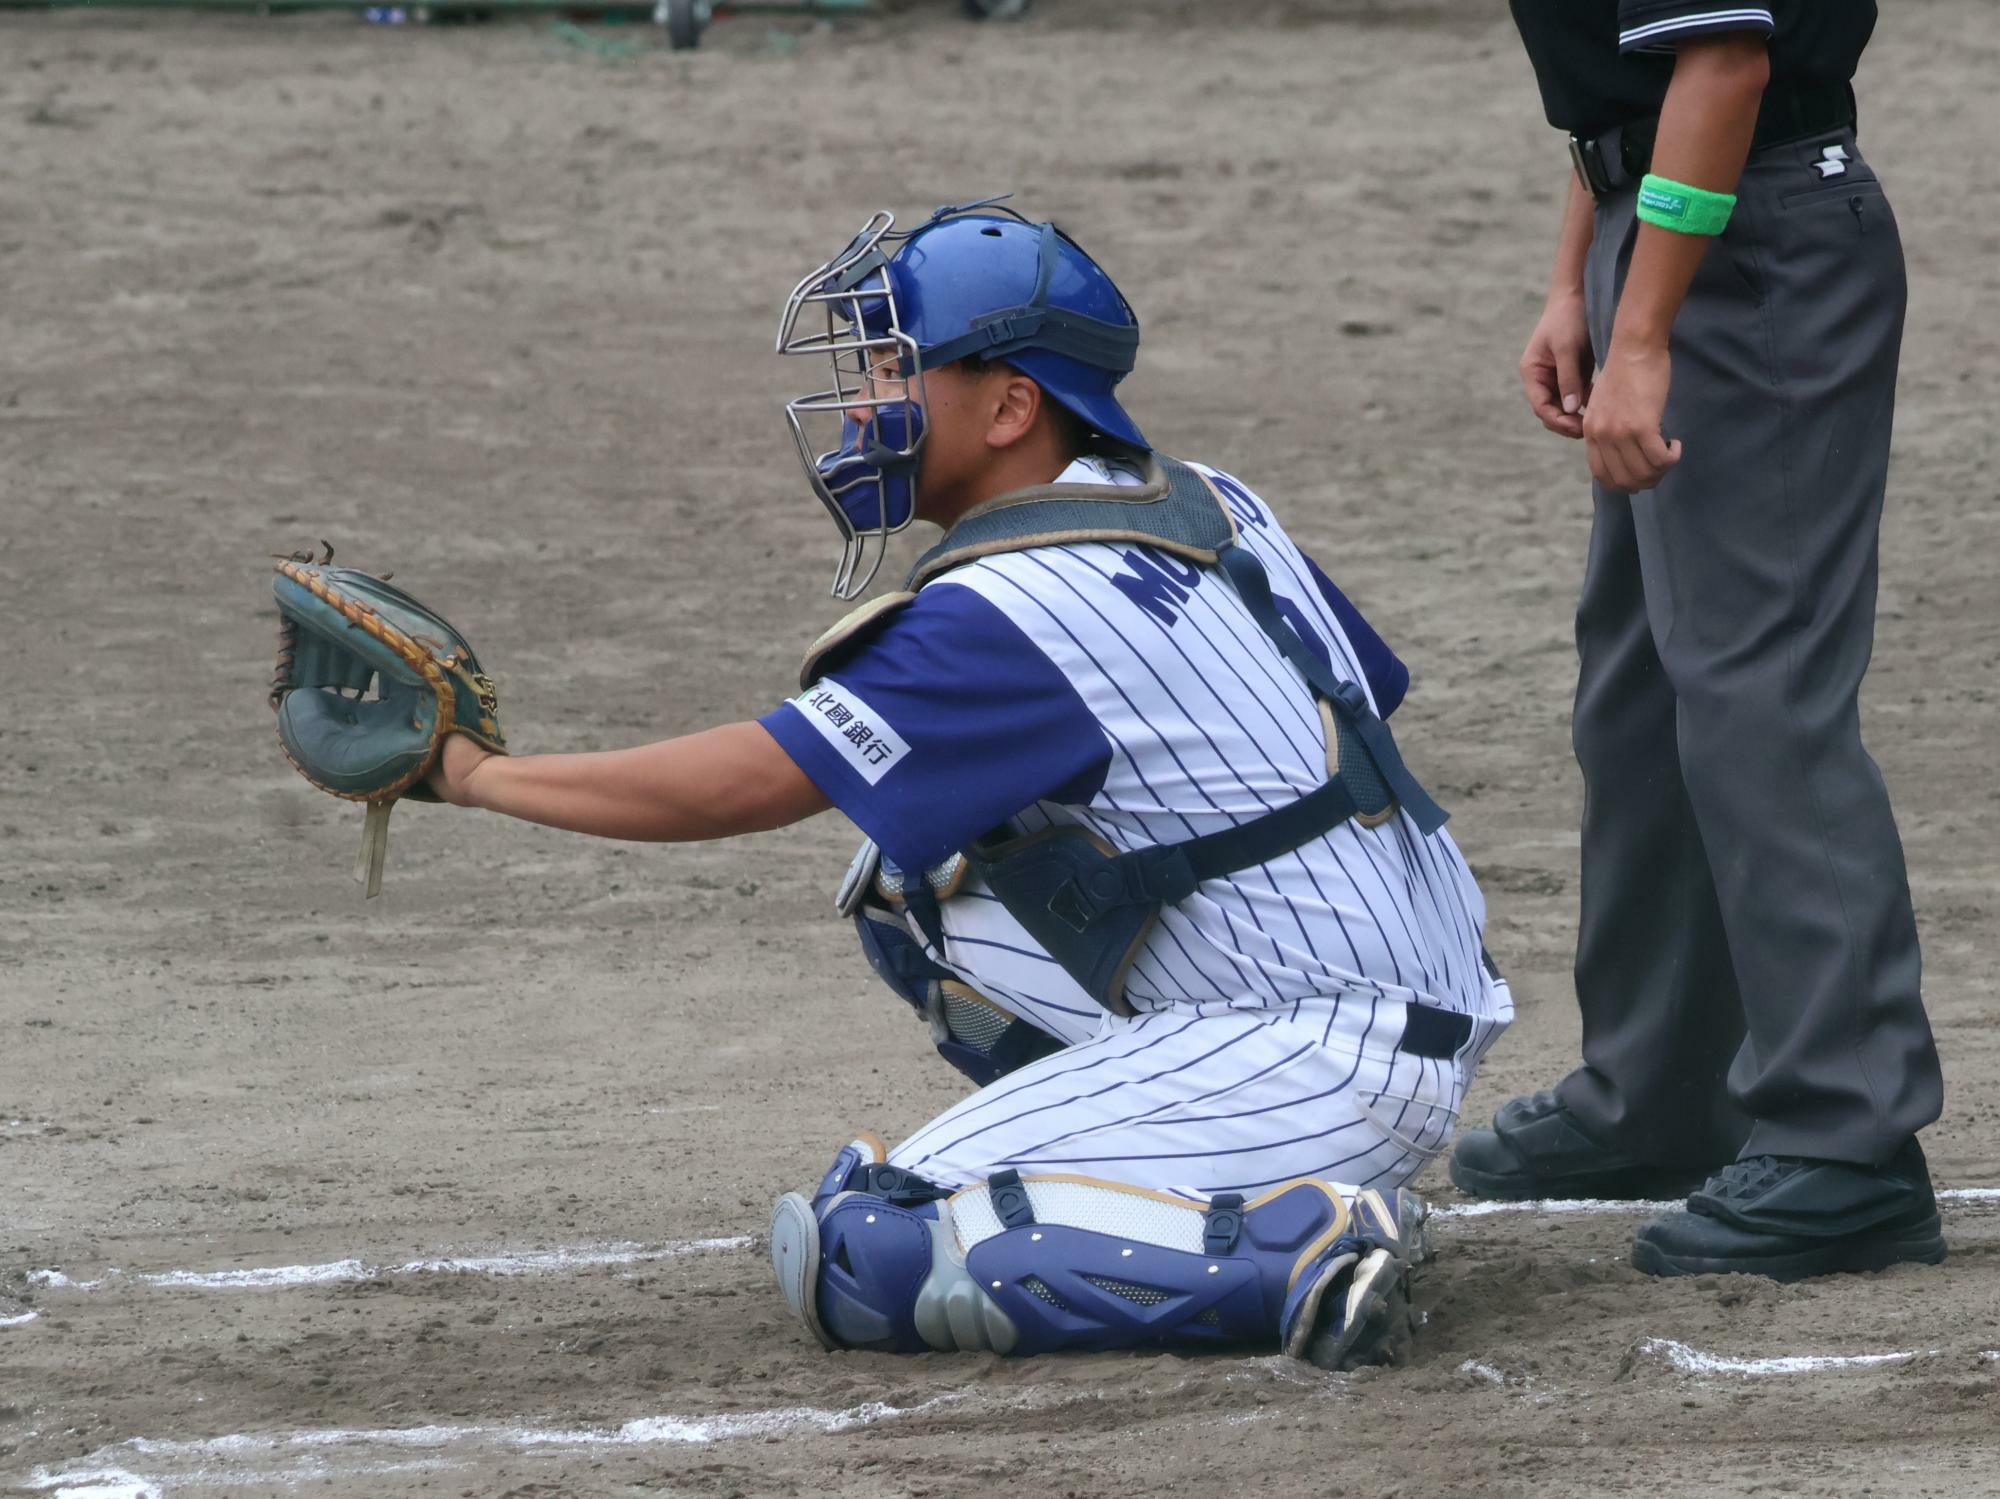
pixel 861 736
pixel 987 722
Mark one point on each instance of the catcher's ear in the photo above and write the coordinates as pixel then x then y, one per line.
pixel 1017 405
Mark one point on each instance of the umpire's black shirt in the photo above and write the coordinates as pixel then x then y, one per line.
pixel 1602 63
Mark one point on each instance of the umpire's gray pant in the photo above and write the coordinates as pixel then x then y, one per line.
pixel 1747 961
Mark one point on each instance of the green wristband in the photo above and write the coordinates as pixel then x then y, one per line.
pixel 1683 209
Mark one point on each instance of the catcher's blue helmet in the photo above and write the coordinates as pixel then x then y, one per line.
pixel 974 280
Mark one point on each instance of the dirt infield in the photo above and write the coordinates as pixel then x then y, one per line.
pixel 494 310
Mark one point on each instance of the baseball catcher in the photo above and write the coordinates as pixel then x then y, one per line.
pixel 1141 850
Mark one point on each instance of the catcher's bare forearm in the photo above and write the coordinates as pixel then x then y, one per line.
pixel 714 784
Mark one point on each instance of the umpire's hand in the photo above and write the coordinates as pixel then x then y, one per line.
pixel 1556 367
pixel 1621 425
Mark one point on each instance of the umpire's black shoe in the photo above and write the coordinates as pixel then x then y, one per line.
pixel 1788 1218
pixel 1537 1149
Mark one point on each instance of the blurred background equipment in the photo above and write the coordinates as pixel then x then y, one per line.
pixel 681 21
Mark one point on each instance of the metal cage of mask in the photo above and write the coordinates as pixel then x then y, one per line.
pixel 863 335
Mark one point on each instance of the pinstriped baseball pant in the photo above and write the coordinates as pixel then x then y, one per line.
pixel 1203 1099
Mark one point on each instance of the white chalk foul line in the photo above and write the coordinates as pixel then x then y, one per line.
pixel 1609 1205
pixel 1553 1205
pixel 108 1473
pixel 585 1257
pixel 1486 1372
pixel 98 1483
pixel 118 1483
pixel 349 1271
pixel 1694 1361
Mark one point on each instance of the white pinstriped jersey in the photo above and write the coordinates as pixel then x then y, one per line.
pixel 1187 719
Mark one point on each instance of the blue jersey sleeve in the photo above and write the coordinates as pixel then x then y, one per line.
pixel 940 725
pixel 1388 678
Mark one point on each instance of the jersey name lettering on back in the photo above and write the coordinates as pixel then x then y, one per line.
pixel 1156 582
pixel 1241 503
pixel 863 737
pixel 1159 583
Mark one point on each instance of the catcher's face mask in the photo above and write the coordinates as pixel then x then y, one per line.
pixel 861 438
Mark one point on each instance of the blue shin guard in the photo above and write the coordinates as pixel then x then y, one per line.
pixel 1048 1263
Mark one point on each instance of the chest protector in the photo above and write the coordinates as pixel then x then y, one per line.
pixel 1090 907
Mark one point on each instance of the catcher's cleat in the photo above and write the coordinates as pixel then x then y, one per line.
pixel 1536 1149
pixel 1789 1218
pixel 1357 1311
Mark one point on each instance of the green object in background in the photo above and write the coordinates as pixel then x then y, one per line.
pixel 610 49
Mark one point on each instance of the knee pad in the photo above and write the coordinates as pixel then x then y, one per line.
pixel 1032 1265
pixel 867 1262
pixel 983 1040
pixel 887 1278
pixel 898 959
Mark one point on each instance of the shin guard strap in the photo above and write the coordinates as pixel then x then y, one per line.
pixel 1010 1199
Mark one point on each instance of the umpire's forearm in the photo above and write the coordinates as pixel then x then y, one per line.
pixel 714 784
pixel 1579 226
pixel 1706 125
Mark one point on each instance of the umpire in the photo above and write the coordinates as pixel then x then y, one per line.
pixel 1722 334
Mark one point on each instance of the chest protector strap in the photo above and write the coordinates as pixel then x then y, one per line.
pixel 1092 908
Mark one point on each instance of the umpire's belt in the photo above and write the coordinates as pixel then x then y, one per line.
pixel 1790 111
pixel 1434 1033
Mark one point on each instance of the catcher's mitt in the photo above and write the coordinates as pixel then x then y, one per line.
pixel 369 683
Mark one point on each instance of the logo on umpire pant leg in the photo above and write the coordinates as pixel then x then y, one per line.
pixel 1832 161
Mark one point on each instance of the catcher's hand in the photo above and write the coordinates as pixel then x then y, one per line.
pixel 370 684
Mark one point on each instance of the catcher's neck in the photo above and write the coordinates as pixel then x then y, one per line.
pixel 1011 471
